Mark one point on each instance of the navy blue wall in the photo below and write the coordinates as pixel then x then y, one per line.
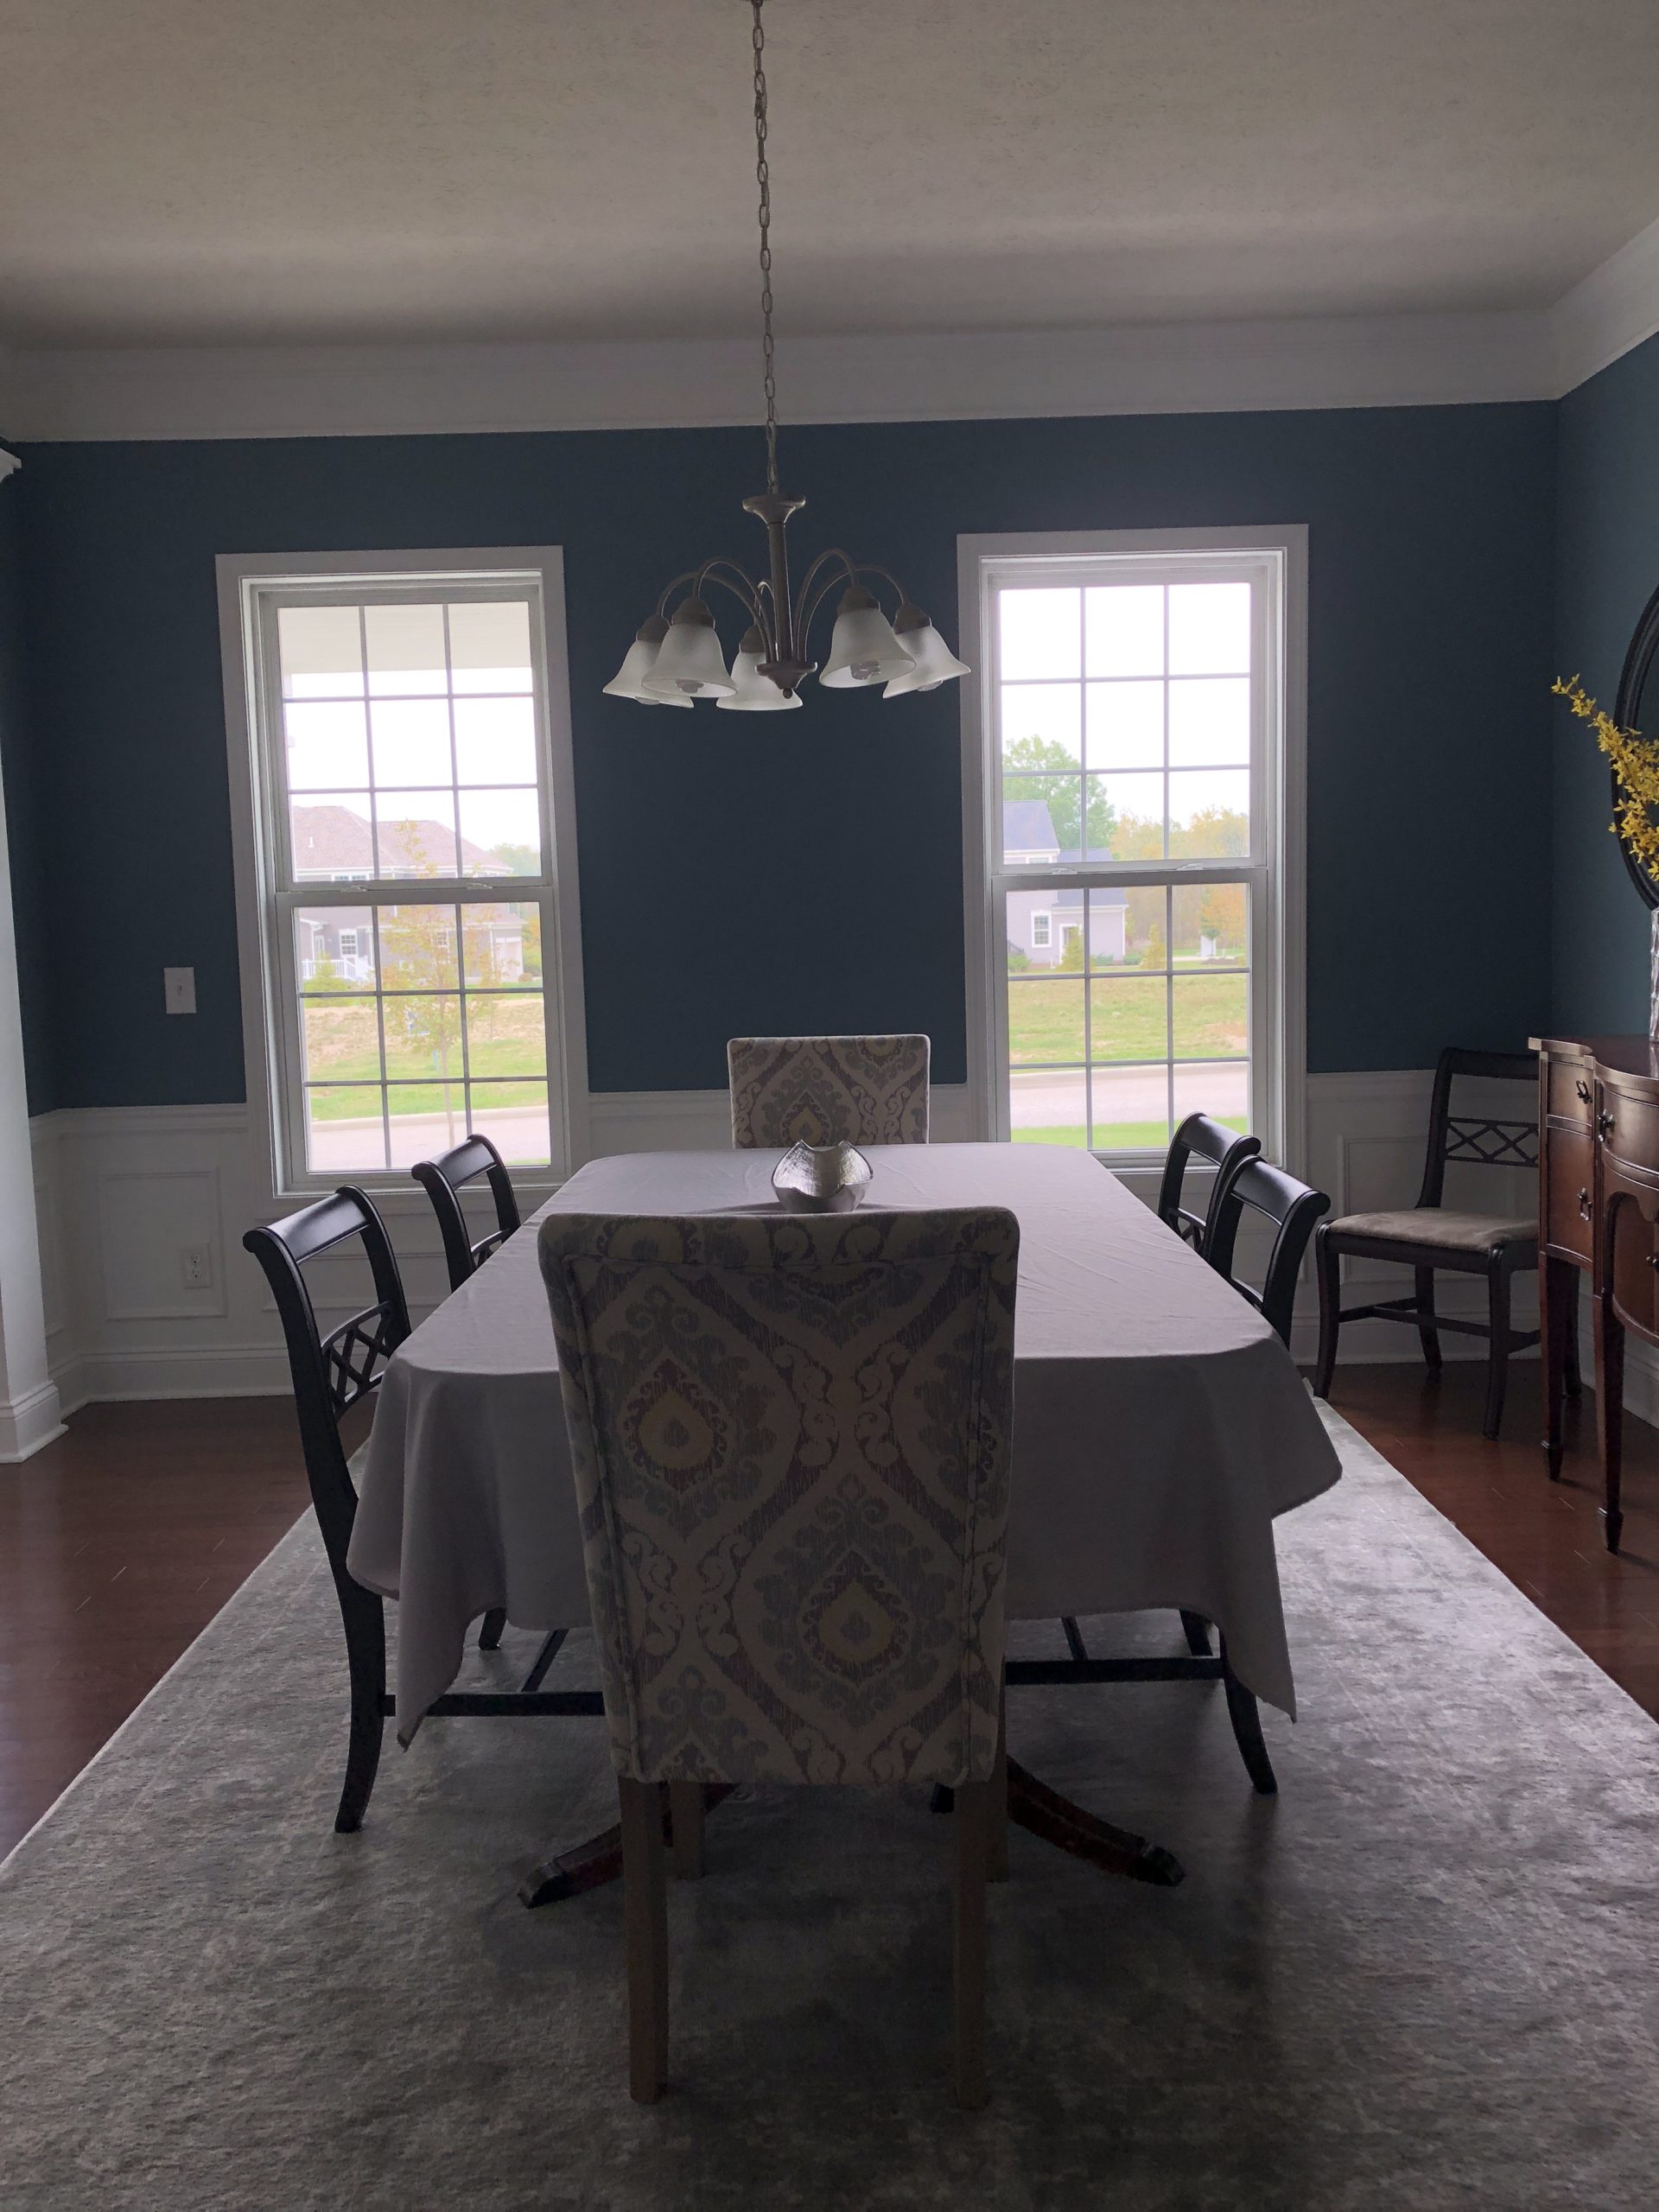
pixel 27 843
pixel 1608 568
pixel 747 875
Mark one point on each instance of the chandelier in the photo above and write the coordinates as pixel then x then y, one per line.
pixel 676 659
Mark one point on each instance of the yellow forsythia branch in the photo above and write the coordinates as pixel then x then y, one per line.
pixel 1635 764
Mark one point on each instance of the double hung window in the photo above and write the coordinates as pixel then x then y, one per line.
pixel 1130 747
pixel 405 749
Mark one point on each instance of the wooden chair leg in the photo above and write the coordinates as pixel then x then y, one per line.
pixel 1243 1713
pixel 489 1632
pixel 1428 1336
pixel 996 1818
pixel 1328 1267
pixel 364 1620
pixel 1196 1630
pixel 972 2090
pixel 1497 1363
pixel 685 1811
pixel 645 1902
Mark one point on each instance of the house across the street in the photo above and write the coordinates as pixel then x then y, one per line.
pixel 333 845
pixel 1042 923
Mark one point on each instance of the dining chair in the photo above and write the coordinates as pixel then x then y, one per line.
pixel 1291 1208
pixel 331 1376
pixel 1431 1236
pixel 1198 1137
pixel 443 1179
pixel 790 1437
pixel 820 1089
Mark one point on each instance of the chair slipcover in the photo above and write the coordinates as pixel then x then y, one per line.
pixel 867 1090
pixel 790 1437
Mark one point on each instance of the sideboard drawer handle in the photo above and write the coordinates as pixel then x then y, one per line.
pixel 1584 1205
pixel 1604 1124
pixel 1583 1090
pixel 1653 1259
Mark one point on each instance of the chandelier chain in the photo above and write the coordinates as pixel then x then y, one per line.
pixel 763 179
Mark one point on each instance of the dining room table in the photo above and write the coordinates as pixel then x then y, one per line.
pixel 1161 1428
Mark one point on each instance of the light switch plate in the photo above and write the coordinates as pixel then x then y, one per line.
pixel 181 987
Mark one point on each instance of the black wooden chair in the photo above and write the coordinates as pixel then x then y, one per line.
pixel 1293 1208
pixel 1198 1137
pixel 1431 1236
pixel 443 1179
pixel 1257 1186
pixel 331 1375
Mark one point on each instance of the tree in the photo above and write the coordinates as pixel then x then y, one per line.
pixel 1071 957
pixel 1046 771
pixel 517 860
pixel 1155 955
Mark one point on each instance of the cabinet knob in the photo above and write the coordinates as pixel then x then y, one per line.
pixel 1583 1090
pixel 1653 1259
pixel 1603 1124
pixel 1584 1205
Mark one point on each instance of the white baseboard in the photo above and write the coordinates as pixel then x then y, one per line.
pixel 121 1191
pixel 28 1423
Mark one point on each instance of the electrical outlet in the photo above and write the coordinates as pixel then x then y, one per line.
pixel 194 1266
pixel 179 985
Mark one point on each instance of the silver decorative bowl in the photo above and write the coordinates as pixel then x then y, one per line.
pixel 821 1177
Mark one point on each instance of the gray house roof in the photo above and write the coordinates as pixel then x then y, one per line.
pixel 1027 827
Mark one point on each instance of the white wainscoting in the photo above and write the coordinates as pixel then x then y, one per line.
pixel 124 1192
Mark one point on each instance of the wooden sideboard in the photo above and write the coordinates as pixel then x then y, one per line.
pixel 1597 1214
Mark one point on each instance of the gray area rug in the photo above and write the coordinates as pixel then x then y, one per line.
pixel 1423 1977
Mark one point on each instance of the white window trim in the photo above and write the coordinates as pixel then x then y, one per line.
pixel 270 1048
pixel 1281 1057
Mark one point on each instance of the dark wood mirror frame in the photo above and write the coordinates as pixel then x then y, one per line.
pixel 1633 680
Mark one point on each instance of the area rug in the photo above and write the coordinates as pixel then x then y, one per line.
pixel 1425 1975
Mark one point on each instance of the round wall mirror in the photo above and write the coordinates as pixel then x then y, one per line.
pixel 1636 708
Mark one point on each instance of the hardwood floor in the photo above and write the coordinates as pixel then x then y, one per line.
pixel 1545 1537
pixel 118 1544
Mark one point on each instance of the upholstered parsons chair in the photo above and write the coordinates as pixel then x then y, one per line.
pixel 820 1089
pixel 790 1437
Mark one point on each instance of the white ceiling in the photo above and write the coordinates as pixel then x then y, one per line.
pixel 181 172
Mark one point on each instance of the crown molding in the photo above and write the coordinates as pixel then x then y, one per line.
pixel 1234 367
pixel 1186 368
pixel 1614 309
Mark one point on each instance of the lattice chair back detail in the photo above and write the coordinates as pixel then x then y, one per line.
pixel 443 1179
pixel 820 1090
pixel 1476 1141
pixel 791 1445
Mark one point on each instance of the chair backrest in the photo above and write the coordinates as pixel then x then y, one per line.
pixel 1475 1140
pixel 443 1178
pixel 1200 1138
pixel 1293 1208
pixel 867 1090
pixel 791 1440
pixel 332 1373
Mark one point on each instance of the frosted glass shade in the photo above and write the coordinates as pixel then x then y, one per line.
pixel 935 662
pixel 862 646
pixel 690 664
pixel 638 663
pixel 754 694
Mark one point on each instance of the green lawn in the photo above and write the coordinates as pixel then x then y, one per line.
pixel 505 1037
pixel 1129 1017
pixel 1117 1136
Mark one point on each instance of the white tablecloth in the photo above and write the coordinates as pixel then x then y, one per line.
pixel 1158 1423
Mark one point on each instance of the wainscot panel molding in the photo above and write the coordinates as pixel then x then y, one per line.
pixel 123 1191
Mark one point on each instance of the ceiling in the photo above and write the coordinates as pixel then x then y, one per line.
pixel 216 171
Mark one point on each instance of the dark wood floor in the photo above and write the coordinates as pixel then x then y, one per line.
pixel 119 1543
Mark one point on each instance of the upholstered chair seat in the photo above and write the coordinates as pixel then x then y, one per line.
pixel 790 1437
pixel 1439 1225
pixel 823 1089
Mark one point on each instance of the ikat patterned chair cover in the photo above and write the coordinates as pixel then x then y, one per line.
pixel 867 1089
pixel 791 1436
